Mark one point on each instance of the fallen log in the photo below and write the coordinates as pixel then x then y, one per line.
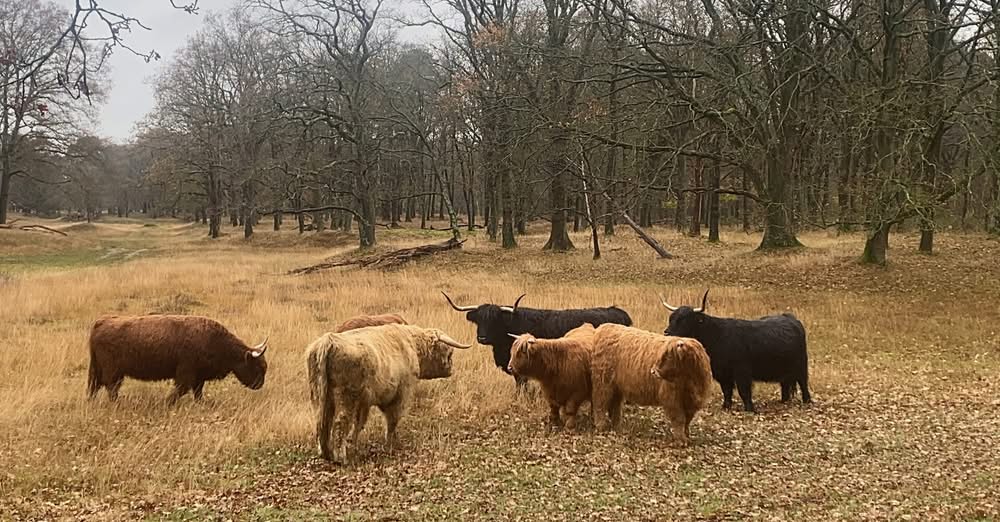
pixel 32 228
pixel 386 260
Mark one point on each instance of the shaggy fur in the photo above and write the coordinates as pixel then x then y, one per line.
pixel 561 366
pixel 375 366
pixel 770 349
pixel 188 349
pixel 621 370
pixel 363 321
pixel 493 325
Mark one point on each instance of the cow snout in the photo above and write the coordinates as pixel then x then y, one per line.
pixel 482 340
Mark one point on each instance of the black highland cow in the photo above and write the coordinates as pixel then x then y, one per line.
pixel 495 323
pixel 769 349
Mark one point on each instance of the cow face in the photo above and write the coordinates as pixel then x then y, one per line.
pixel 686 322
pixel 520 355
pixel 251 370
pixel 436 359
pixel 492 323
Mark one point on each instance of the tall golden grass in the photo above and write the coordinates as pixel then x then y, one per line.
pixel 53 437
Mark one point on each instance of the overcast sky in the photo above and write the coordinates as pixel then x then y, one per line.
pixel 131 96
pixel 132 93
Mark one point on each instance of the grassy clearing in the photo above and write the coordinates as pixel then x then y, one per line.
pixel 904 364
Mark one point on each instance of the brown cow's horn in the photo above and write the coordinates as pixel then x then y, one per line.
pixel 704 301
pixel 260 348
pixel 456 307
pixel 515 336
pixel 443 337
pixel 513 309
pixel 665 305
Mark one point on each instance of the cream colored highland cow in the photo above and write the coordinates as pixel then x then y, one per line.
pixel 375 366
pixel 648 369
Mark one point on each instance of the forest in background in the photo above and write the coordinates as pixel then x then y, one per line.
pixel 774 116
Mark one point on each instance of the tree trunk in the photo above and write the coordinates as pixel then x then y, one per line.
pixel 576 214
pixel 655 245
pixel 507 234
pixel 4 190
pixel 713 204
pixel 744 203
pixel 559 240
pixel 366 227
pixel 694 230
pixel 680 183
pixel 877 245
pixel 778 231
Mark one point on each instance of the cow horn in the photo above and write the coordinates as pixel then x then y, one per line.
pixel 456 307
pixel 259 350
pixel 513 309
pixel 443 337
pixel 515 336
pixel 704 301
pixel 665 305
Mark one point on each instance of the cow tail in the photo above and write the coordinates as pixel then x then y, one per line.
pixel 321 394
pixel 93 377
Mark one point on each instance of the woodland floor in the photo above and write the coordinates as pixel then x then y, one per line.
pixel 905 362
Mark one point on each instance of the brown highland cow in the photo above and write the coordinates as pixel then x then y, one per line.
pixel 561 366
pixel 364 321
pixel 648 369
pixel 188 349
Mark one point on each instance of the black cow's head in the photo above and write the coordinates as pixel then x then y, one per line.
pixel 493 322
pixel 686 321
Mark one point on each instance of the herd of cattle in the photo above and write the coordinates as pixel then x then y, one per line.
pixel 577 356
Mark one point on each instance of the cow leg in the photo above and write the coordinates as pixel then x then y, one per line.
pixel 184 381
pixel 570 411
pixel 360 419
pixel 744 384
pixel 599 404
pixel 114 387
pixel 679 428
pixel 787 389
pixel 804 388
pixel 342 423
pixel 197 389
pixel 615 410
pixel 393 413
pixel 555 420
pixel 727 393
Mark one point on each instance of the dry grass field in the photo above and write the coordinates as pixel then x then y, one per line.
pixel 905 370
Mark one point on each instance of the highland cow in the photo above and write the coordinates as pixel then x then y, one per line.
pixel 770 349
pixel 648 369
pixel 494 324
pixel 363 321
pixel 188 349
pixel 561 366
pixel 376 366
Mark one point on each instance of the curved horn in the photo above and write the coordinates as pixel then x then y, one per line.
pixel 515 336
pixel 443 337
pixel 456 307
pixel 704 301
pixel 259 350
pixel 665 305
pixel 513 309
